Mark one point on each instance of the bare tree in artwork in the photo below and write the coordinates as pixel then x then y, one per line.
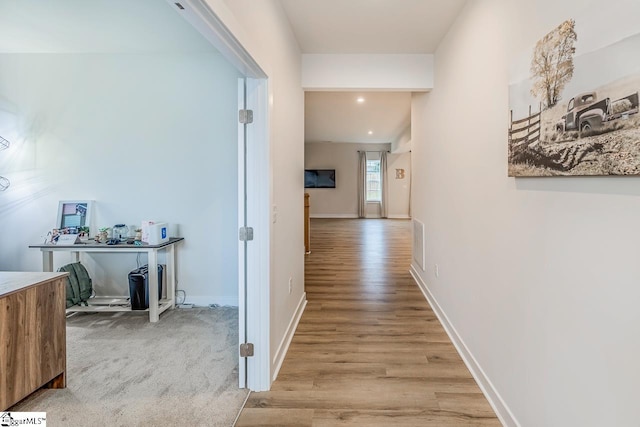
pixel 552 63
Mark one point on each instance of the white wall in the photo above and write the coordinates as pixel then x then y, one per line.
pixel 399 184
pixel 538 277
pixel 342 201
pixel 263 29
pixel 403 143
pixel 146 136
pixel 367 71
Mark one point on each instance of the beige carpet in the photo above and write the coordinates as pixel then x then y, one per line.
pixel 124 371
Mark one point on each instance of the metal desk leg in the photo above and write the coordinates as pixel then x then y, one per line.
pixel 47 261
pixel 153 286
pixel 171 275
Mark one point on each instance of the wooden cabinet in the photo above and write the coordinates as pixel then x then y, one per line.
pixel 32 334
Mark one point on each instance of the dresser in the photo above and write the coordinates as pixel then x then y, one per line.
pixel 32 334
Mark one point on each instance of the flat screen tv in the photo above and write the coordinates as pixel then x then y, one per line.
pixel 320 178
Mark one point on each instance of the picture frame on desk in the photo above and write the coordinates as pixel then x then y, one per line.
pixel 74 214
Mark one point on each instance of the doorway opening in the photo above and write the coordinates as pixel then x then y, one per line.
pixel 253 195
pixel 339 126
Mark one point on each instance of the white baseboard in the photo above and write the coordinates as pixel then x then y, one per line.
pixel 201 301
pixel 333 216
pixel 495 400
pixel 288 336
pixel 353 216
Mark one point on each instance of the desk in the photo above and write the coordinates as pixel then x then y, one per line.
pixel 156 305
pixel 33 343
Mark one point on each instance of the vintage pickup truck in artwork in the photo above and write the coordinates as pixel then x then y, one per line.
pixel 586 112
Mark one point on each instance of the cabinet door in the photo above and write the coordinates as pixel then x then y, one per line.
pixel 46 334
pixel 13 382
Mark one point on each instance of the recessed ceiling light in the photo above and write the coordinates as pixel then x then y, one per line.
pixel 360 100
pixel 370 132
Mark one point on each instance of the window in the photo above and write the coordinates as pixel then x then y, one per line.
pixel 374 189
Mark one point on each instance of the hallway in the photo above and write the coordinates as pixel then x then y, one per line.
pixel 368 351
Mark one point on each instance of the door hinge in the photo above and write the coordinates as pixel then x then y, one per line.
pixel 245 234
pixel 246 116
pixel 246 349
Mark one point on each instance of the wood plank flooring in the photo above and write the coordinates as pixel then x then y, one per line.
pixel 368 351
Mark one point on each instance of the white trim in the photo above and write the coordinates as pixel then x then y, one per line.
pixel 206 301
pixel 495 400
pixel 288 336
pixel 259 250
pixel 242 327
pixel 202 18
pixel 354 216
pixel 334 216
pixel 398 72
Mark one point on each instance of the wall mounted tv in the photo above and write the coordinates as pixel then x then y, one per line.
pixel 320 178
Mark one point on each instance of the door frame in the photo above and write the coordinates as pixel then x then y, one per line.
pixel 258 198
pixel 259 253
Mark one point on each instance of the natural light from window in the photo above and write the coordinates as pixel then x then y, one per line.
pixel 374 192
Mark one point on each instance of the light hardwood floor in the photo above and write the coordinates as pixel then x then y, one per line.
pixel 368 351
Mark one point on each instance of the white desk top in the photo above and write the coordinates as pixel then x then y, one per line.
pixel 120 246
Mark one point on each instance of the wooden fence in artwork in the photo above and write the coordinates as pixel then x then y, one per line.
pixel 525 131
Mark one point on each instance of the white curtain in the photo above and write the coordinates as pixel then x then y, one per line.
pixel 362 178
pixel 385 185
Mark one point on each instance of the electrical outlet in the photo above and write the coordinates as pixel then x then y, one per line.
pixel 436 270
pixel 290 284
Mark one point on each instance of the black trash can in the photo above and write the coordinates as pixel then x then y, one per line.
pixel 139 287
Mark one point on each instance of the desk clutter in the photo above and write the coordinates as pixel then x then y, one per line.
pixel 74 224
pixel 150 232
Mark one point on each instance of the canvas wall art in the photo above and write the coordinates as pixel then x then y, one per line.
pixel 574 104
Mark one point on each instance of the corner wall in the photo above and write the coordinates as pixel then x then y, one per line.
pixel 538 278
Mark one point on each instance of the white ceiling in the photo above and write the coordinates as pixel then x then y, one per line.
pixel 371 26
pixel 365 26
pixel 321 26
pixel 95 26
pixel 339 117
